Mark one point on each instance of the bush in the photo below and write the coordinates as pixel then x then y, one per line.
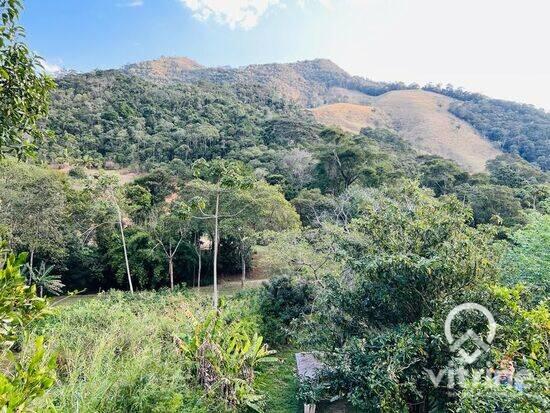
pixel 281 301
pixel 78 172
pixel 490 397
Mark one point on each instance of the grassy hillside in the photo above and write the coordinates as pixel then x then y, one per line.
pixel 422 118
pixel 351 117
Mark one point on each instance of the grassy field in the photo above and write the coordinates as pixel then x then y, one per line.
pixel 117 353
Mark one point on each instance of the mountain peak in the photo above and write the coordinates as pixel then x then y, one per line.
pixel 163 68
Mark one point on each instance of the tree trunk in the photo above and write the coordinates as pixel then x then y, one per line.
pixel 41 291
pixel 31 265
pixel 124 247
pixel 216 241
pixel 243 267
pixel 171 271
pixel 199 269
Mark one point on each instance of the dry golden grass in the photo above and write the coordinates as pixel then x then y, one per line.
pixel 420 117
pixel 351 117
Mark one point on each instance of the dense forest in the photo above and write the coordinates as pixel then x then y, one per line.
pixel 126 203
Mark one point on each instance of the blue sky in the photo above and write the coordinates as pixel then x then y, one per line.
pixel 497 47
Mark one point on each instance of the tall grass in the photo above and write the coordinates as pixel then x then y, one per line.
pixel 117 354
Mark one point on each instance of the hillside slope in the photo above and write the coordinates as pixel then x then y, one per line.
pixel 310 83
pixel 420 117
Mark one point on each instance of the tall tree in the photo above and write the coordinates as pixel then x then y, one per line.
pixel 216 179
pixel 264 208
pixel 168 225
pixel 24 87
pixel 110 205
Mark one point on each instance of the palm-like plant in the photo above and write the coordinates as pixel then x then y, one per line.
pixel 44 280
pixel 225 354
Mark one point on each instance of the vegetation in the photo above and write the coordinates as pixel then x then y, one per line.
pixel 24 88
pixel 518 128
pixel 366 246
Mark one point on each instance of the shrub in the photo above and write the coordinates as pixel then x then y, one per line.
pixel 22 379
pixel 78 172
pixel 490 397
pixel 281 301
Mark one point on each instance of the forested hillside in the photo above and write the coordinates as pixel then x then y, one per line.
pixel 310 83
pixel 514 128
pixel 113 117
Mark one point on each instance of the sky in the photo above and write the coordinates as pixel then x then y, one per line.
pixel 496 47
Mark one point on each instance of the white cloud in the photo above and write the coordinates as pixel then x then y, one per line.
pixel 51 68
pixel 244 14
pixel 131 3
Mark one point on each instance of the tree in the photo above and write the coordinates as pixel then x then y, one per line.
pixel 167 224
pixel 20 382
pixel 345 159
pixel 263 208
pixel 406 259
pixel 527 260
pixel 491 202
pixel 24 87
pixel 34 209
pixel 512 171
pixel 45 280
pixel 217 178
pixel 441 175
pixel 110 200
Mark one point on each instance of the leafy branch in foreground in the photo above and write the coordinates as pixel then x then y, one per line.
pixel 24 87
pixel 20 380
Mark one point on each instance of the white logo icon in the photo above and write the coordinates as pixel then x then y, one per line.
pixel 482 345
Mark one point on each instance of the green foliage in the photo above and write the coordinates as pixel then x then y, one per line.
pixel 527 260
pixel 524 335
pixel 313 206
pixel 407 258
pixel 19 304
pixel 28 381
pixel 345 159
pixel 382 371
pixel 224 353
pixel 223 174
pixel 44 280
pixel 441 175
pixel 282 301
pixel 492 204
pixel 135 122
pixel 490 397
pixel 278 382
pixel 514 172
pixel 24 88
pixel 116 353
pixel 34 208
pixel 21 380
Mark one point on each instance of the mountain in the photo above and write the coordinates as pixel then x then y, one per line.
pixel 163 68
pixel 310 83
pixel 465 127
pixel 419 117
